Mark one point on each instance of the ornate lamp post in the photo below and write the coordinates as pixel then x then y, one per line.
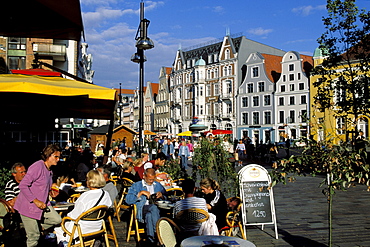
pixel 142 43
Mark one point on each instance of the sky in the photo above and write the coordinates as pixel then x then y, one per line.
pixel 110 28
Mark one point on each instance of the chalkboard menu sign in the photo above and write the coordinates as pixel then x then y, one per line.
pixel 257 197
pixel 257 204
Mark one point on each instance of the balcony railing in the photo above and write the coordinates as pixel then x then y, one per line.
pixel 57 52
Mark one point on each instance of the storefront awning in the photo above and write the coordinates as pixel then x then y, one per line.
pixel 35 96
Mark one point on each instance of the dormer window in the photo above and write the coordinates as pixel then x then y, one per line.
pixel 227 54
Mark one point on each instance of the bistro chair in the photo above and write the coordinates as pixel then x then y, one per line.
pixel 133 227
pixel 111 233
pixel 177 193
pixel 98 213
pixel 192 216
pixel 126 184
pixel 73 198
pixel 166 232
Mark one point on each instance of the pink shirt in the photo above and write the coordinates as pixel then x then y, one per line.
pixel 35 185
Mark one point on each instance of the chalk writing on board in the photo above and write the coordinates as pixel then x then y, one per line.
pixel 257 201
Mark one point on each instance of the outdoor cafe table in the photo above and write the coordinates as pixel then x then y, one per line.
pixel 198 241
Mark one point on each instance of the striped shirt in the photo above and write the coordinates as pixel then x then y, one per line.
pixel 11 190
pixel 190 202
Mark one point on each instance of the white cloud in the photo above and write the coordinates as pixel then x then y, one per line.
pixel 218 9
pixel 308 10
pixel 259 31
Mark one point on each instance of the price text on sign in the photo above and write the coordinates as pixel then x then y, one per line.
pixel 257 201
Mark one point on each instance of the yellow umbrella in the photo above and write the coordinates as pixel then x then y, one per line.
pixel 185 133
pixel 148 132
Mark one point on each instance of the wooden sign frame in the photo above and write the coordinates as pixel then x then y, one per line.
pixel 258 206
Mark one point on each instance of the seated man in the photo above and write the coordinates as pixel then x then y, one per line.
pixel 11 188
pixel 190 201
pixel 139 194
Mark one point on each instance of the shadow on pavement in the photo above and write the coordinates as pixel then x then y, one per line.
pixel 298 241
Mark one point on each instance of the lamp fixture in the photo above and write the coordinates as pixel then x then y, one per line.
pixel 145 43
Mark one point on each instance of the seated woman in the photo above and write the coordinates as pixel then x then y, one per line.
pixel 127 168
pixel 216 201
pixel 92 198
pixel 63 184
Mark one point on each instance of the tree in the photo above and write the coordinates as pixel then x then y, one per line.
pixel 212 160
pixel 343 77
pixel 342 88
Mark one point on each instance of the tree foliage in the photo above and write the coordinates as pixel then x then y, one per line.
pixel 212 160
pixel 344 78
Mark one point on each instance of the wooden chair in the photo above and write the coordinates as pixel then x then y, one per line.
pixel 113 181
pixel 98 213
pixel 176 192
pixel 126 183
pixel 73 198
pixel 133 227
pixel 166 232
pixel 112 233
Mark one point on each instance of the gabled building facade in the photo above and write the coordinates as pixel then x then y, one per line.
pixel 162 107
pixel 150 97
pixel 255 99
pixel 292 97
pixel 204 83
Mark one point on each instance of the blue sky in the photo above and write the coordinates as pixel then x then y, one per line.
pixel 111 25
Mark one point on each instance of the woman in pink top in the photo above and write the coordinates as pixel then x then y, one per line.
pixel 33 200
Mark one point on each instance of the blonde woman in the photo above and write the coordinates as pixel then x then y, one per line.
pixel 92 198
pixel 216 201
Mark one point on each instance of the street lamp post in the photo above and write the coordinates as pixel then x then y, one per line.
pixel 142 43
pixel 120 105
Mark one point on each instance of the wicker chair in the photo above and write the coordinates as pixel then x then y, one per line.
pixel 190 219
pixel 176 192
pixel 73 198
pixel 98 213
pixel 166 232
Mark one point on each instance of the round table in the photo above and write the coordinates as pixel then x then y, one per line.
pixel 198 241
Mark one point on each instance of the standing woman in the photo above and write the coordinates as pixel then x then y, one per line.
pixel 33 200
pixel 184 153
pixel 240 148
pixel 216 201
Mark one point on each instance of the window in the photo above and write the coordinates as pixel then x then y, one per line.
pixel 291 116
pixel 291 77
pixel 291 100
pixel 210 59
pixel 284 78
pixel 255 72
pixel 256 118
pixel 229 70
pixel 255 101
pixel 208 74
pixel 282 88
pixel 245 118
pixel 216 73
pixel 208 109
pixel 281 116
pixel 267 99
pixel 229 88
pixel 225 71
pixel 299 76
pixel 291 87
pixel 340 125
pixel 17 62
pixel 201 91
pixel 303 99
pixel 281 100
pixel 201 109
pixel 250 88
pixel 216 87
pixel 261 86
pixel 304 116
pixel 227 54
pixel 229 108
pixel 17 43
pixel 208 90
pixel 245 102
pixel 267 117
pixel 216 109
pixel 301 86
pixel 291 67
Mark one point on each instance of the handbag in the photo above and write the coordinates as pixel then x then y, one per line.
pixel 236 156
